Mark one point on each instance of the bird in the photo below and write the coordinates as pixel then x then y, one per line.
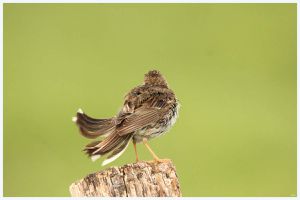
pixel 149 111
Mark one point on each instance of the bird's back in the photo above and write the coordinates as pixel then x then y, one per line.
pixel 148 96
pixel 155 97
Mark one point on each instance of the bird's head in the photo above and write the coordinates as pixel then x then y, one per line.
pixel 154 77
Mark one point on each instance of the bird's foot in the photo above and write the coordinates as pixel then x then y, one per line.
pixel 159 160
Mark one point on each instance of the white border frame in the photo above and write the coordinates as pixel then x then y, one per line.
pixel 142 1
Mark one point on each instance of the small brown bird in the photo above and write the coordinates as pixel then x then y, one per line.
pixel 149 111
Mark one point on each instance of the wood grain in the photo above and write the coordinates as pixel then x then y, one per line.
pixel 141 179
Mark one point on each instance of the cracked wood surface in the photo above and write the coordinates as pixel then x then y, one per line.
pixel 142 179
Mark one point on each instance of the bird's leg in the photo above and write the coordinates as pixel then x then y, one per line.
pixel 156 158
pixel 136 154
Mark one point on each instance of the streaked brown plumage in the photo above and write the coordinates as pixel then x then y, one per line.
pixel 149 110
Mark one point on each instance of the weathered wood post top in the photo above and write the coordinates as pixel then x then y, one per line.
pixel 141 179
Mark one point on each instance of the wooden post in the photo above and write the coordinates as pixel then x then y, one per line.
pixel 141 179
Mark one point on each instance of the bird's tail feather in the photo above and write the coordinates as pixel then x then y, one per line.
pixel 117 152
pixel 113 143
pixel 91 128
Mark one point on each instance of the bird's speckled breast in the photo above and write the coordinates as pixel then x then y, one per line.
pixel 160 128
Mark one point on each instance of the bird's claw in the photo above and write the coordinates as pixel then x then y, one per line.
pixel 159 160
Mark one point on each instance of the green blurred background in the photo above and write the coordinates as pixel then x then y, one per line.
pixel 232 66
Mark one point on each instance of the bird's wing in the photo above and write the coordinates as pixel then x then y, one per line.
pixel 141 118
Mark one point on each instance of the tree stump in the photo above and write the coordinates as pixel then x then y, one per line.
pixel 141 179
